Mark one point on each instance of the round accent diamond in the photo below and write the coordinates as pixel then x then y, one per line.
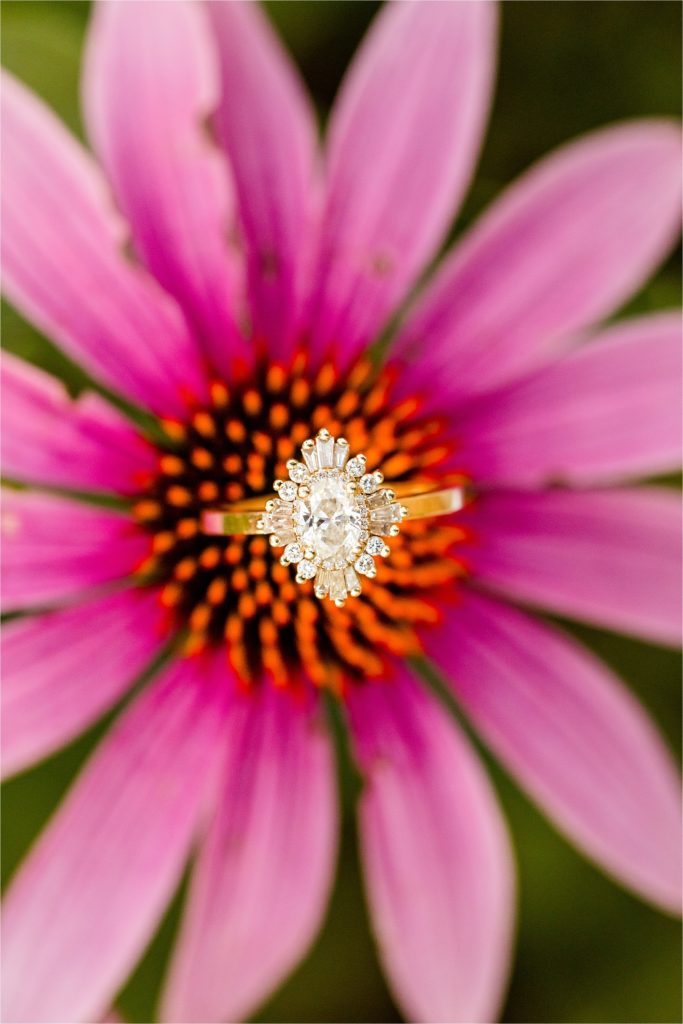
pixel 288 490
pixel 356 466
pixel 365 565
pixel 376 546
pixel 297 472
pixel 370 482
pixel 306 570
pixel 292 553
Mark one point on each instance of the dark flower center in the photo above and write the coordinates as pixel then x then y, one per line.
pixel 233 591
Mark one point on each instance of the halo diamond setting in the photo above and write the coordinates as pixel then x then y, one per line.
pixel 331 518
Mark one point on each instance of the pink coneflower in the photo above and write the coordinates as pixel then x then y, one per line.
pixel 215 271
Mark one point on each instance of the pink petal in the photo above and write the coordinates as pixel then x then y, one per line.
pixel 88 897
pixel 47 438
pixel 268 129
pixel 65 269
pixel 603 413
pixel 561 249
pixel 436 856
pixel 403 138
pixel 54 548
pixel 263 876
pixel 573 736
pixel 62 670
pixel 612 558
pixel 170 180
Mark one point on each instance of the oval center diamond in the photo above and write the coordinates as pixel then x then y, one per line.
pixel 329 521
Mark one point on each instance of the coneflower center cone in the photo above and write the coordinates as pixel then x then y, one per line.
pixel 233 591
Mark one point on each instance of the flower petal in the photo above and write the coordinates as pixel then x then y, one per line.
pixel 49 439
pixel 65 269
pixel 170 180
pixel 62 670
pixel 612 558
pixel 605 412
pixel 404 135
pixel 561 249
pixel 268 129
pixel 54 548
pixel 574 737
pixel 436 855
pixel 261 883
pixel 88 897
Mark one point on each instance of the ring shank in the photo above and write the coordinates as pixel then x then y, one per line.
pixel 436 503
pixel 243 517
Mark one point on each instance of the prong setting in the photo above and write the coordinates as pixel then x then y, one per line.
pixel 330 517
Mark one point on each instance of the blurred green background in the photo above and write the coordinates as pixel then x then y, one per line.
pixel 586 950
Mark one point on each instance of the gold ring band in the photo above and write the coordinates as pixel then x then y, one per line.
pixel 246 517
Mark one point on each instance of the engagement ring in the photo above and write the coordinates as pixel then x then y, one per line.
pixel 331 516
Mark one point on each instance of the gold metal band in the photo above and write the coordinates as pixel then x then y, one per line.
pixel 243 517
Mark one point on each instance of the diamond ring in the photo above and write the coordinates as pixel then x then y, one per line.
pixel 331 516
